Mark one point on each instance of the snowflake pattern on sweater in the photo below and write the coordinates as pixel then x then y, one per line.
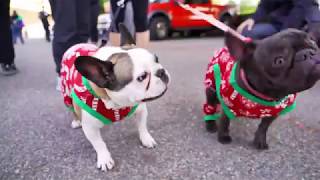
pixel 75 90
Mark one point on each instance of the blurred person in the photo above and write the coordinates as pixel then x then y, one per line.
pixel 43 16
pixel 273 16
pixel 140 14
pixel 94 13
pixel 103 26
pixel 17 26
pixel 71 27
pixel 7 66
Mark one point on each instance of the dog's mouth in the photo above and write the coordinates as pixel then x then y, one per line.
pixel 155 97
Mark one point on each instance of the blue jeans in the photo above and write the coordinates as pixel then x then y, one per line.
pixel 260 31
pixel 16 35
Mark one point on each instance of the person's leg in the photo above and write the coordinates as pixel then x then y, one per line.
pixel 58 49
pixel 46 25
pixel 14 37
pixel 117 17
pixel 260 31
pixel 6 46
pixel 62 30
pixel 128 19
pixel 140 11
pixel 94 13
pixel 71 26
pixel 21 37
pixel 82 21
pixel 47 34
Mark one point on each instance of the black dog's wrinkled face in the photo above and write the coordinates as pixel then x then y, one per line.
pixel 285 63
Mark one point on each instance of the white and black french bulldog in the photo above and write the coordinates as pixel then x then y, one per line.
pixel 104 85
pixel 263 80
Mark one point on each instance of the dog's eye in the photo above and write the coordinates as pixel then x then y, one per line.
pixel 142 77
pixel 278 61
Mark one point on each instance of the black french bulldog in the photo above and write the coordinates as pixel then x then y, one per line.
pixel 285 63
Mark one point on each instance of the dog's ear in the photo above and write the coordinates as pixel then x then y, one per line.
pixel 127 39
pixel 239 49
pixel 97 71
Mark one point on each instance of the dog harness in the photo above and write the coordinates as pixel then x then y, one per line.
pixel 234 100
pixel 76 88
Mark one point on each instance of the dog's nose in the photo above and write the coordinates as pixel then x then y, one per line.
pixel 304 55
pixel 161 73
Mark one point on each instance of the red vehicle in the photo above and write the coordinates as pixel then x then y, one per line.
pixel 166 16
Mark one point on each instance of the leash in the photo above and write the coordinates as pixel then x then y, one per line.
pixel 215 22
pixel 121 5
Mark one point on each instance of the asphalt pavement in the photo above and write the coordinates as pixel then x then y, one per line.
pixel 37 142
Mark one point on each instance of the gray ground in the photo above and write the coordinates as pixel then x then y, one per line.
pixel 36 141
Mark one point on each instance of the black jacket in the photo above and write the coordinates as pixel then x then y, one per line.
pixel 288 13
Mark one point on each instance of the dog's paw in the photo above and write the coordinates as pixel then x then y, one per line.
pixel 211 126
pixel 105 162
pixel 260 144
pixel 76 124
pixel 225 139
pixel 147 140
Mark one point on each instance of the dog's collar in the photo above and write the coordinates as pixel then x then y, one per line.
pixel 252 90
pixel 248 94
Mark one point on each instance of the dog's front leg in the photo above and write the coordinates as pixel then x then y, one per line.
pixel 260 139
pixel 91 128
pixel 212 100
pixel 144 135
pixel 223 130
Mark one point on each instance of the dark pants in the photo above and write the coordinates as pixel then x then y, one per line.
pixel 71 26
pixel 6 45
pixel 94 13
pixel 17 35
pixel 46 29
pixel 46 26
pixel 140 14
pixel 261 30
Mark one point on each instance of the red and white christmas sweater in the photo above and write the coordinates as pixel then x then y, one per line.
pixel 76 88
pixel 235 101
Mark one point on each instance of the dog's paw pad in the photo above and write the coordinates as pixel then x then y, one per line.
pixel 105 163
pixel 76 124
pixel 148 141
pixel 260 145
pixel 211 127
pixel 225 139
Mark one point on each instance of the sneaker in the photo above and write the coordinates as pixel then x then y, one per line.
pixel 58 86
pixel 14 68
pixel 8 69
